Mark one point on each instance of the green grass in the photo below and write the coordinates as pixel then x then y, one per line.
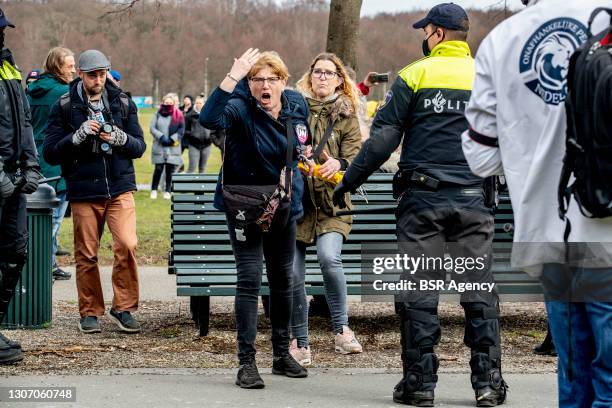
pixel 152 216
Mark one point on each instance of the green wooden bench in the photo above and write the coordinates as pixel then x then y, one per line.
pixel 202 259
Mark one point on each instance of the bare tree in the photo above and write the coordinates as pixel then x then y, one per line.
pixel 343 30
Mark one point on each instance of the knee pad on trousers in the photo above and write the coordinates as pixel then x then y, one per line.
pixel 15 259
pixel 9 274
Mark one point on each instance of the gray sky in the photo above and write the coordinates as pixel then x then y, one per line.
pixel 372 7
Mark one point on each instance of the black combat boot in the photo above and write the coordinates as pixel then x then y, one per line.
pixel 493 394
pixel 9 354
pixel 420 366
pixel 487 381
pixel 408 392
pixel 547 348
pixel 10 351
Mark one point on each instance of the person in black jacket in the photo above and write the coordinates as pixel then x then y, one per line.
pixel 198 138
pixel 97 164
pixel 19 175
pixel 441 208
pixel 254 107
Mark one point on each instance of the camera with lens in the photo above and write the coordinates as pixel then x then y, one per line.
pixel 378 78
pixel 99 145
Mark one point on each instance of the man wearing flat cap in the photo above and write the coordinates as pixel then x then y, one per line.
pixel 442 209
pixel 94 134
pixel 19 175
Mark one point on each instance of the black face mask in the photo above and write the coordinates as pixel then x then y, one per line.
pixel 1 39
pixel 425 45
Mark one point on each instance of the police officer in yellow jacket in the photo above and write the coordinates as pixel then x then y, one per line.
pixel 440 201
pixel 19 175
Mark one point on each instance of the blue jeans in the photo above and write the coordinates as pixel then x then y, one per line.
pixel 588 326
pixel 329 249
pixel 58 216
pixel 277 248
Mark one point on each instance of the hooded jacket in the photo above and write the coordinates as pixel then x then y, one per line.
pixel 42 94
pixel 15 119
pixel 163 126
pixel 518 124
pixel 255 142
pixel 94 176
pixel 343 144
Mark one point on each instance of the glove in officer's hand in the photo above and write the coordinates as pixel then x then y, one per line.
pixel 32 177
pixel 6 186
pixel 338 198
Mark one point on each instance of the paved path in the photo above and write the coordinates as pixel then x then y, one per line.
pixel 155 284
pixel 323 388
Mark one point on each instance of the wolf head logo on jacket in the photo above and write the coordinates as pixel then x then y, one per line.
pixel 545 57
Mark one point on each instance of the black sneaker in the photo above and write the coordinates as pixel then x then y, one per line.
pixel 60 274
pixel 125 321
pixel 8 354
pixel 89 324
pixel 11 343
pixel 248 376
pixel 286 365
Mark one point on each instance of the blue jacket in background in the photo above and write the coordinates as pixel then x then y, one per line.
pixel 255 143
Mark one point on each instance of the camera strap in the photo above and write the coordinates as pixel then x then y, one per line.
pixel 106 106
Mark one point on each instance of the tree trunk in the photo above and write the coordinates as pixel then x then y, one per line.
pixel 343 30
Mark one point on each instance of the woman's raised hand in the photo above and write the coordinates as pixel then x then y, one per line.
pixel 243 65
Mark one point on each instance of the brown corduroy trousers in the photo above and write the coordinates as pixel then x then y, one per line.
pixel 119 213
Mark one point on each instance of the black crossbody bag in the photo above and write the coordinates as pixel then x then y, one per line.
pixel 261 205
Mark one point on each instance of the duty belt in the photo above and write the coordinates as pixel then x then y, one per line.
pixel 413 180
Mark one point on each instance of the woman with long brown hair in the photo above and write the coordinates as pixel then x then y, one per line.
pixel 333 101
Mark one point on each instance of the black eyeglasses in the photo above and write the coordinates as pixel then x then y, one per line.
pixel 260 81
pixel 324 74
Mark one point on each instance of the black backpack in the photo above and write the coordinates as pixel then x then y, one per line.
pixel 66 111
pixel 589 127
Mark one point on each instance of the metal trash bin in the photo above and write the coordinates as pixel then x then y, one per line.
pixel 32 305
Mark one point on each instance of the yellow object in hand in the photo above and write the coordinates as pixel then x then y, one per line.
pixel 335 179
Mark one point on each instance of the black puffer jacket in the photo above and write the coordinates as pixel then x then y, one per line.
pixel 93 176
pixel 15 119
pixel 196 135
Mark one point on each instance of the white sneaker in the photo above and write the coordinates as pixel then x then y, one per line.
pixel 166 195
pixel 300 354
pixel 346 343
pixel 153 194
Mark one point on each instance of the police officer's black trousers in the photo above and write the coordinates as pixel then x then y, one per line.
pixel 437 224
pixel 13 247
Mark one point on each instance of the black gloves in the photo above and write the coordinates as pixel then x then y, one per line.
pixel 6 186
pixel 338 198
pixel 32 177
pixel 165 141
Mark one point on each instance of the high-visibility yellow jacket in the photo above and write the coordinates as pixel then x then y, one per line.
pixel 424 107
pixel 17 149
